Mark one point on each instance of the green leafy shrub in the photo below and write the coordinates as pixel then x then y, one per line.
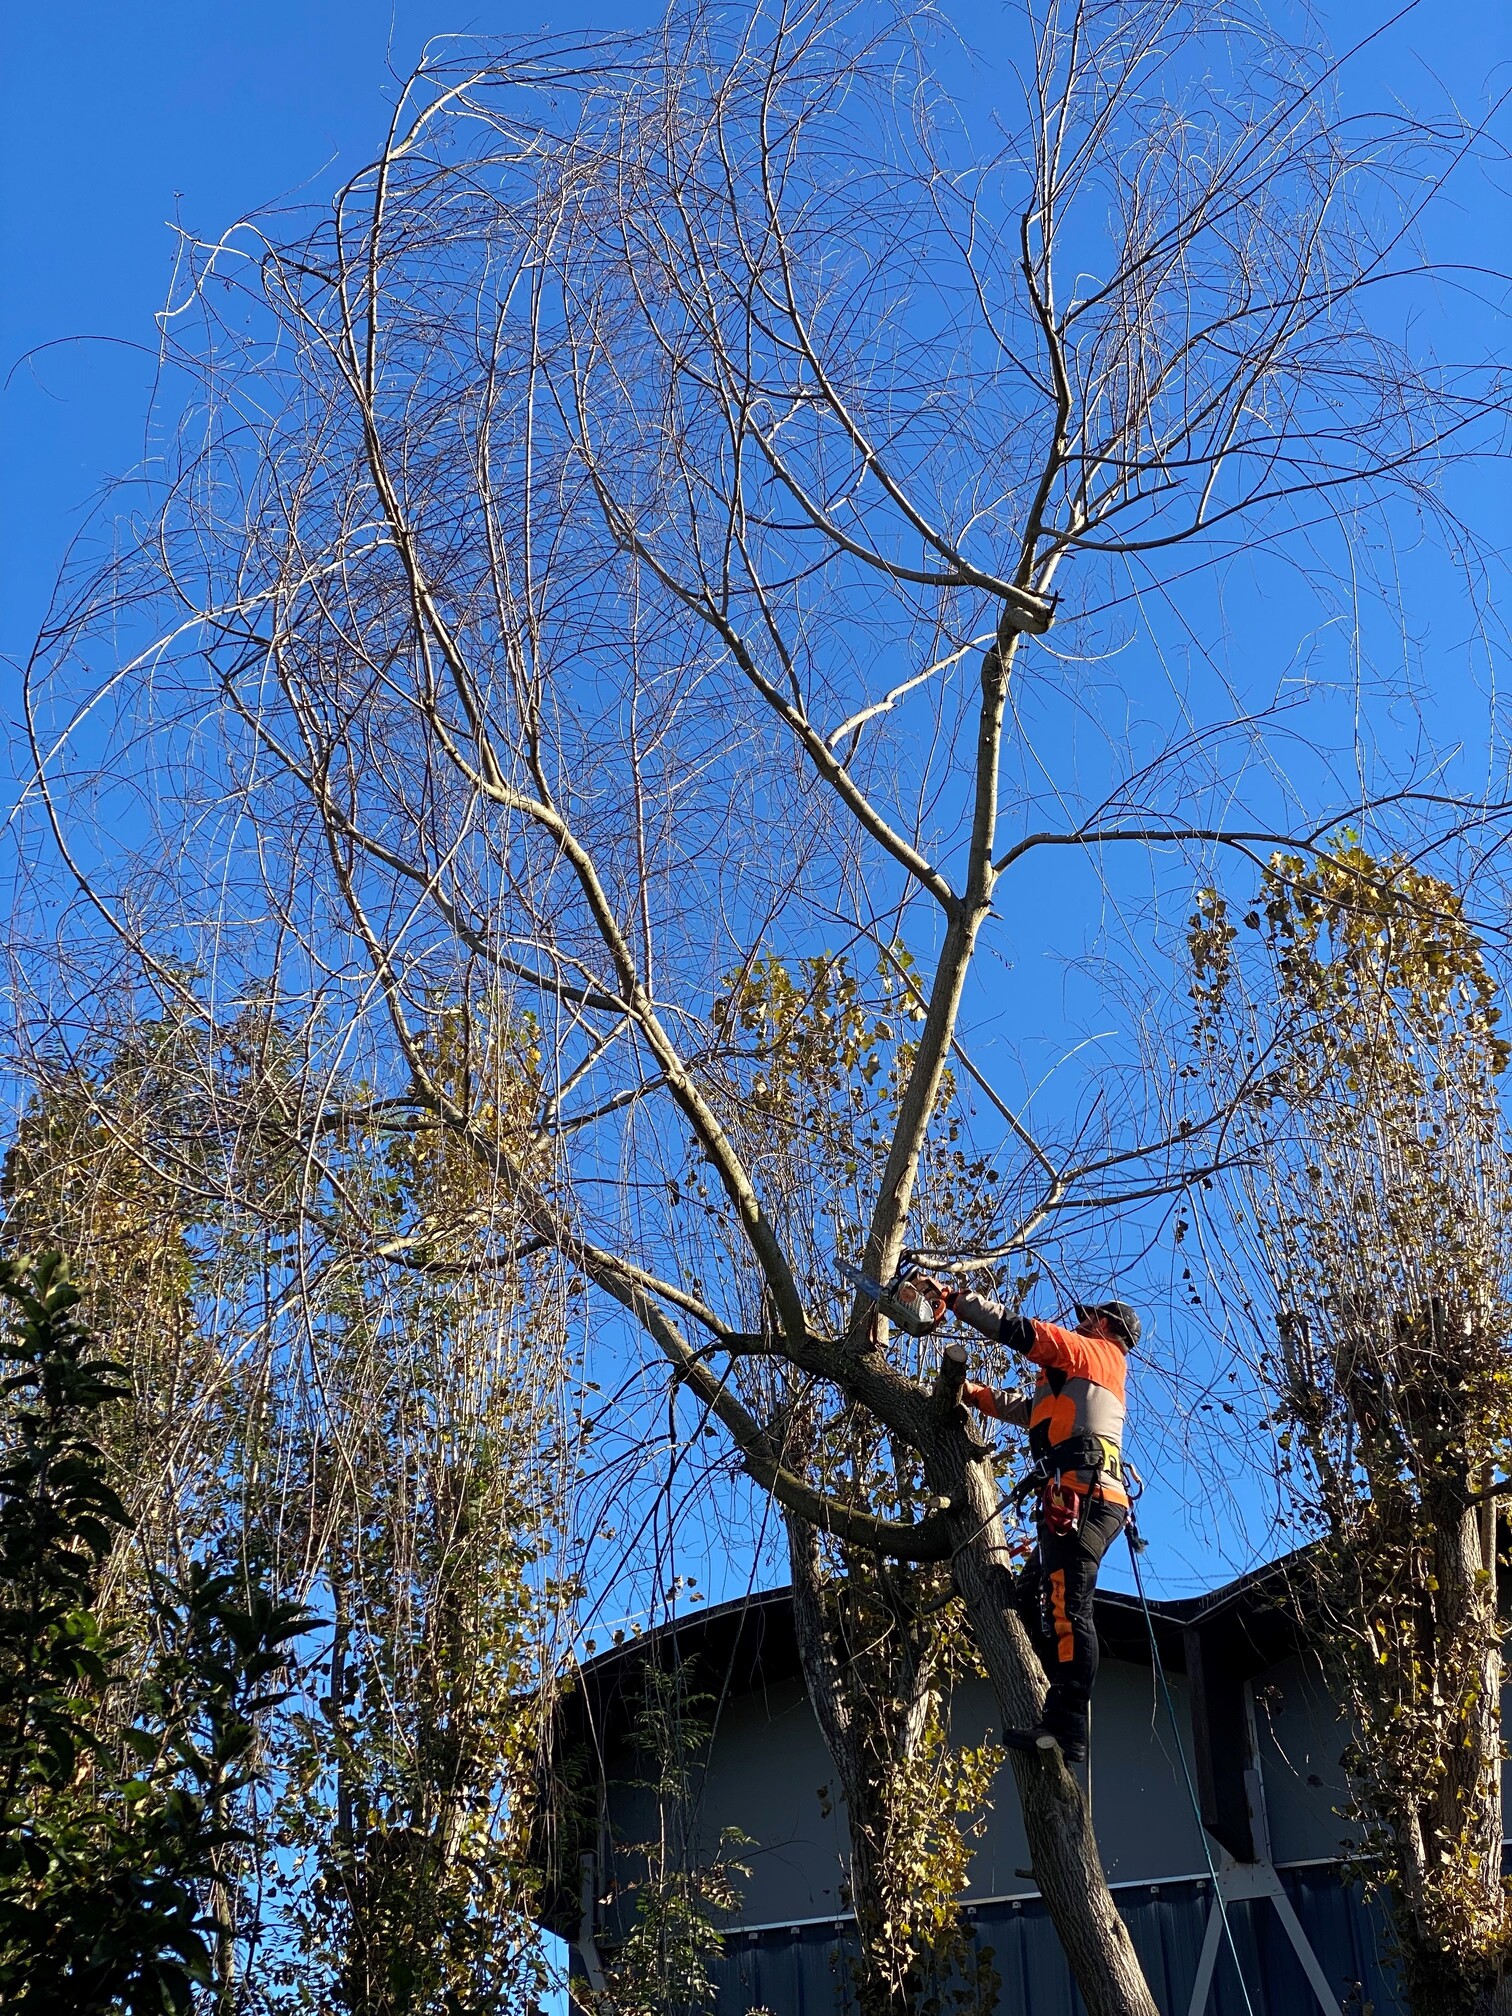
pixel 117 1846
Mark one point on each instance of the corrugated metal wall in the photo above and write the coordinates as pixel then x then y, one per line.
pixel 801 1971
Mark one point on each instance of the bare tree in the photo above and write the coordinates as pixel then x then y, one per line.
pixel 614 546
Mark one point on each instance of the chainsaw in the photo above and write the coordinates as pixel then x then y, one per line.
pixel 909 1316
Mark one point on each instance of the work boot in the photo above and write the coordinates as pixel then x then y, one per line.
pixel 1073 1747
pixel 1063 1724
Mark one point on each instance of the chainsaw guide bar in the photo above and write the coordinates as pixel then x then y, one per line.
pixel 904 1314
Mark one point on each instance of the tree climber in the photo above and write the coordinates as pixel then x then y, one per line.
pixel 1075 1418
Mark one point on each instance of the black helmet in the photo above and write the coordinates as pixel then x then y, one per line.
pixel 1121 1315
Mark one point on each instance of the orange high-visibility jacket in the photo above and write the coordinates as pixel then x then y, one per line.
pixel 1078 1397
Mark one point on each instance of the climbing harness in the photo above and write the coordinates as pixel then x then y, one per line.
pixel 1065 1507
pixel 1137 1546
pixel 1062 1509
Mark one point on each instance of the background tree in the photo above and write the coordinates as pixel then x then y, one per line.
pixel 680 1890
pixel 107 1164
pixel 1375 1222
pixel 880 1653
pixel 626 551
pixel 347 1398
pixel 432 1488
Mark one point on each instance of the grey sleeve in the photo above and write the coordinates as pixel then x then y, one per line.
pixel 981 1313
pixel 994 1321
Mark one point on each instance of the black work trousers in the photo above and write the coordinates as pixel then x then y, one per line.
pixel 1055 1593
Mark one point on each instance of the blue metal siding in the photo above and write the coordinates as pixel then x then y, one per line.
pixel 766 1764
pixel 1301 1741
pixel 800 1971
pixel 1146 1828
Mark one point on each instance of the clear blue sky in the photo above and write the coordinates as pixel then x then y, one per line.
pixel 122 116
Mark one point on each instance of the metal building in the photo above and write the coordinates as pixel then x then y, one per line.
pixel 1259 1759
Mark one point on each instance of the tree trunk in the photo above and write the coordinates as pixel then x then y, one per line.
pixel 1469 1798
pixel 1062 1847
pixel 879 1989
pixel 1461 1813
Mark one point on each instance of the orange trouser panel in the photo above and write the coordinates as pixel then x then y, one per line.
pixel 1065 1635
pixel 1056 1593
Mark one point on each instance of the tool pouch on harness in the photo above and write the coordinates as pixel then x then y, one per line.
pixel 1062 1509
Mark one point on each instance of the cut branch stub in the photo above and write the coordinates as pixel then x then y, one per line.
pixel 949 1381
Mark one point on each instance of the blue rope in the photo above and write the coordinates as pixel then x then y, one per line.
pixel 1136 1547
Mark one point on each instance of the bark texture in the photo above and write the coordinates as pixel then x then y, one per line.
pixel 1464 1806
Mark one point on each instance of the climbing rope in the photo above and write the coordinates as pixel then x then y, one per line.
pixel 1137 1545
